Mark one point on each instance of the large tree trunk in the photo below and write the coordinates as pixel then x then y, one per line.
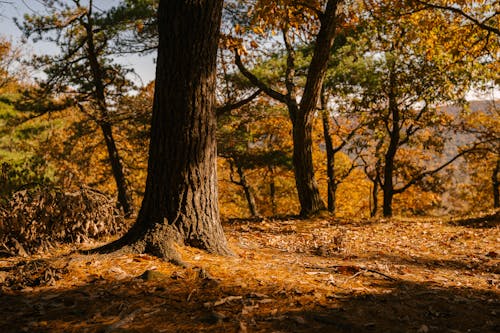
pixel 181 200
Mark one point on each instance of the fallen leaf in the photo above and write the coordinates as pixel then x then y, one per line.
pixel 492 254
pixel 423 329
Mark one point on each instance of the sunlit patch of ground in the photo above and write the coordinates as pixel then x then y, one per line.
pixel 319 275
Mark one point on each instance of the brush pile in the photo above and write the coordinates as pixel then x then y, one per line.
pixel 37 219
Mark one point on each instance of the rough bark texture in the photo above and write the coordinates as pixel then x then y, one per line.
pixel 307 187
pixel 181 201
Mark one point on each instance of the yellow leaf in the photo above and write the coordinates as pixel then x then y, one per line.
pixel 258 30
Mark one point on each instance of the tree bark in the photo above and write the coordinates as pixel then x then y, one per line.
pixel 309 197
pixel 124 198
pixel 252 206
pixel 496 184
pixel 247 189
pixel 307 188
pixel 394 129
pixel 374 208
pixel 330 163
pixel 181 198
pixel 388 187
pixel 330 154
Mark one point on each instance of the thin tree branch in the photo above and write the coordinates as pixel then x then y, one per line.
pixel 290 67
pixel 460 12
pixel 221 110
pixel 424 174
pixel 257 82
pixel 317 11
pixel 321 55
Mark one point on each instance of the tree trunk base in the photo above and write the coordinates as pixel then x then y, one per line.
pixel 158 242
pixel 315 212
pixel 318 213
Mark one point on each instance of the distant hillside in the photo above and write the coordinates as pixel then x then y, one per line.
pixel 460 175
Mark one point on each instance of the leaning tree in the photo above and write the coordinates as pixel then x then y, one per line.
pixel 83 71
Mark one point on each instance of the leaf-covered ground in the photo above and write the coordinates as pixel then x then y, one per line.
pixel 320 275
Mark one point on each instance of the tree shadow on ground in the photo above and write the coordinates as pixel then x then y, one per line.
pixel 181 303
pixel 472 264
pixel 409 307
pixel 486 221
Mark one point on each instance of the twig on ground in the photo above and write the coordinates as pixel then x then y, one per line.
pixel 358 270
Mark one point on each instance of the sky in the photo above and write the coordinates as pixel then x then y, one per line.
pixel 144 66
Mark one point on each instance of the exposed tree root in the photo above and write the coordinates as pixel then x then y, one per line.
pixel 160 242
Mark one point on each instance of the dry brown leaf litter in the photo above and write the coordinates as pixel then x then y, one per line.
pixel 37 219
pixel 289 276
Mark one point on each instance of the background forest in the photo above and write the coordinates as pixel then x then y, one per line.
pixel 398 124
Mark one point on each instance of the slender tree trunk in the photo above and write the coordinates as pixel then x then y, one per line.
pixel 330 161
pixel 272 192
pixel 307 188
pixel 301 115
pixel 248 192
pixel 117 168
pixel 496 184
pixel 181 200
pixel 124 197
pixel 332 197
pixel 247 189
pixel 388 192
pixel 374 209
pixel 388 185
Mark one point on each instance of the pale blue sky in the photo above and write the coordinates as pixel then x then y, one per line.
pixel 143 65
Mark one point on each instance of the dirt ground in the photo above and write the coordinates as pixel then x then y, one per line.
pixel 319 275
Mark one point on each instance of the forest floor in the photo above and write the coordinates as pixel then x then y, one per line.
pixel 318 275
